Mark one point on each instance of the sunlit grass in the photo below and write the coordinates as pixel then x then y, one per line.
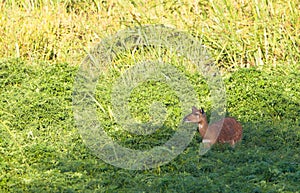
pixel 237 33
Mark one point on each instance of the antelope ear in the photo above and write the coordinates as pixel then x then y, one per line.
pixel 202 111
pixel 194 109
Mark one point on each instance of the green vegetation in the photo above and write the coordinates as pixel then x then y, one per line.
pixel 256 44
pixel 41 149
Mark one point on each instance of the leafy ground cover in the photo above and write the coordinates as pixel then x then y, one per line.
pixel 41 149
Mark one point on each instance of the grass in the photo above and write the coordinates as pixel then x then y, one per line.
pixel 238 33
pixel 41 149
pixel 256 44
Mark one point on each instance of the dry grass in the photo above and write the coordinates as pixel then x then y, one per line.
pixel 238 33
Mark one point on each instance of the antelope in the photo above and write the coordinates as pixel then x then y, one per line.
pixel 227 130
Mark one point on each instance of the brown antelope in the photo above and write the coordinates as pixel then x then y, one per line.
pixel 227 130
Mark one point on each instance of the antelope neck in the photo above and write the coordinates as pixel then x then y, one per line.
pixel 202 127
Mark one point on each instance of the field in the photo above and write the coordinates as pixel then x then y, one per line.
pixel 256 46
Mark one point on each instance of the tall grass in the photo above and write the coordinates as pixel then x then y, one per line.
pixel 238 33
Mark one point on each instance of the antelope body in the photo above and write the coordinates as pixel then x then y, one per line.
pixel 227 130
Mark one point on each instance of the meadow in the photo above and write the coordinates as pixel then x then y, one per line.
pixel 256 46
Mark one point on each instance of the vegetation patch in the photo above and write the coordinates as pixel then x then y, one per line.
pixel 254 43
